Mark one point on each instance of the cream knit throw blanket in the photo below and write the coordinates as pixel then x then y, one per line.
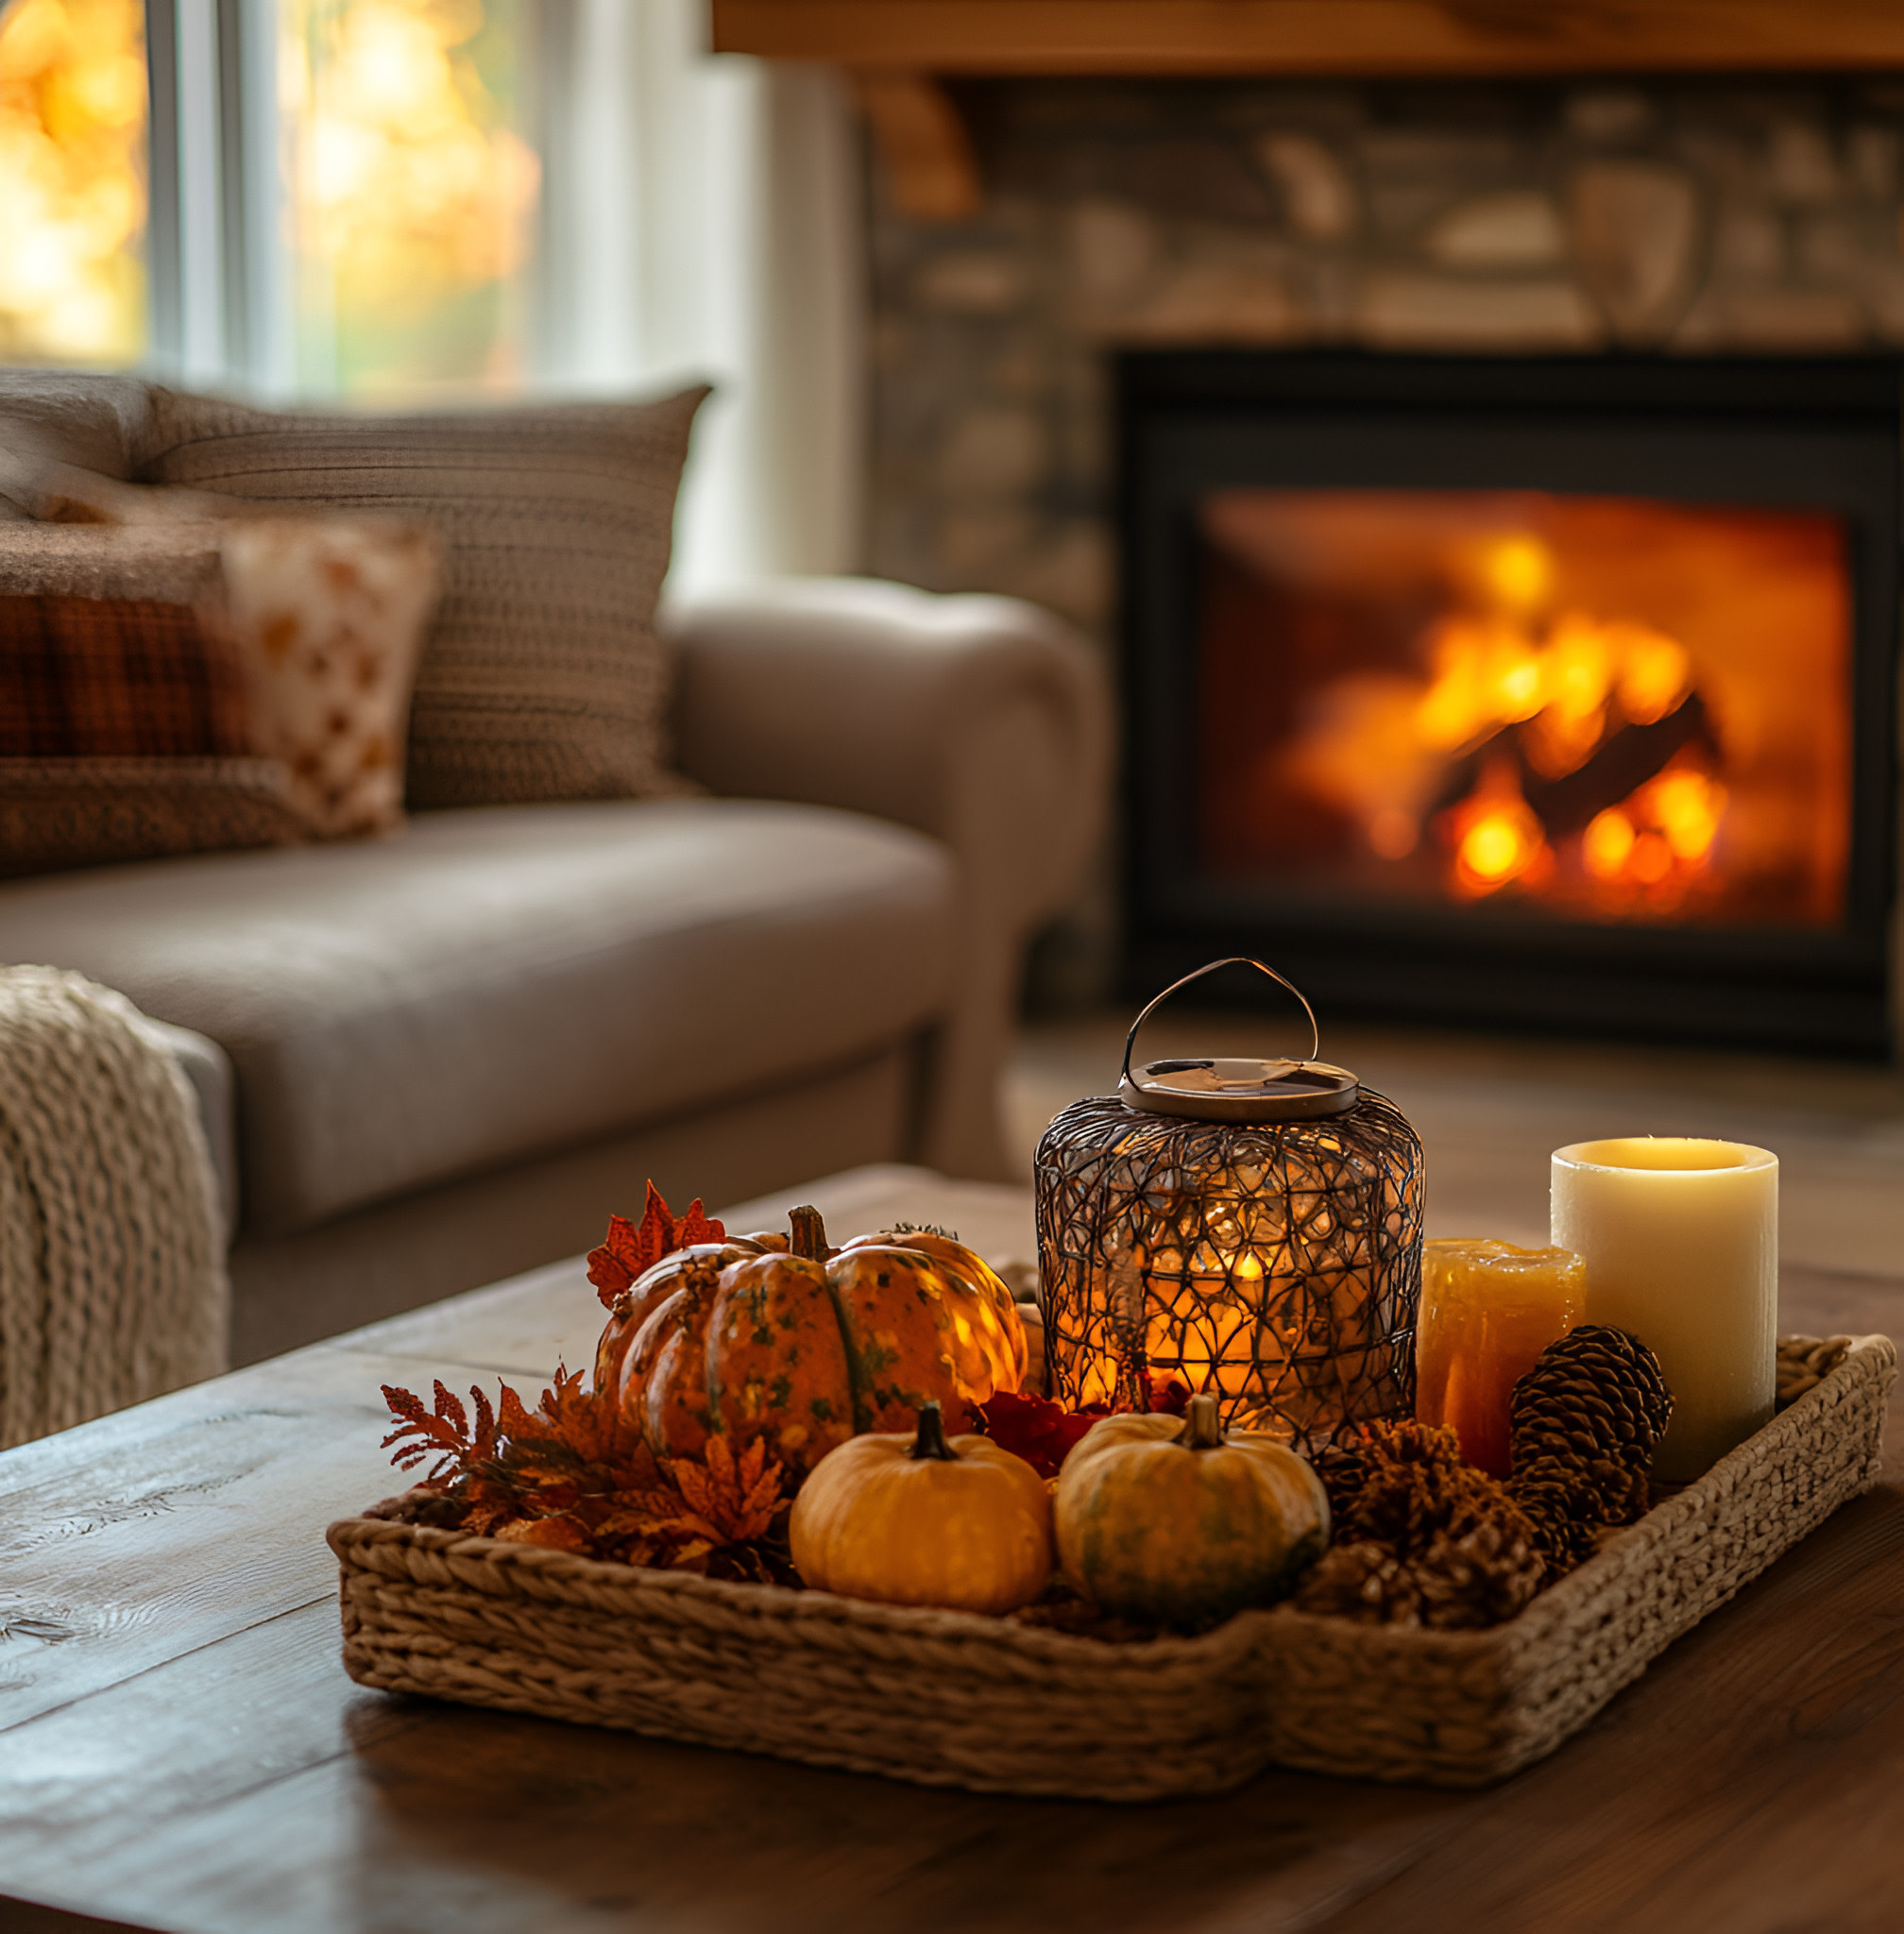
pixel 112 1283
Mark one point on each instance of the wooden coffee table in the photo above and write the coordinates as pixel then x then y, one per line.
pixel 179 1748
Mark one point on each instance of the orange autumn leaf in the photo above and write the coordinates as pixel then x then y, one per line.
pixel 575 1474
pixel 629 1250
pixel 446 1429
pixel 737 1499
pixel 552 1534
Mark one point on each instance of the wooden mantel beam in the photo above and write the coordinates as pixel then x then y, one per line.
pixel 1371 38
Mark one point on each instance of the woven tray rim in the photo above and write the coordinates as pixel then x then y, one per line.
pixel 537 1572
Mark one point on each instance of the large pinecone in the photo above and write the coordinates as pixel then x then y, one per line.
pixel 1584 1423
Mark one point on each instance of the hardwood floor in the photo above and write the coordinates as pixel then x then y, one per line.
pixel 1490 1111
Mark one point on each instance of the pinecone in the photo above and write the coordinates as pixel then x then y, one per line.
pixel 1363 1581
pixel 1584 1423
pixel 1454 1585
pixel 1339 1467
pixel 1412 1482
pixel 1423 1538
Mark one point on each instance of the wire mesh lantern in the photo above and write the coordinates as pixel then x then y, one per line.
pixel 1253 1228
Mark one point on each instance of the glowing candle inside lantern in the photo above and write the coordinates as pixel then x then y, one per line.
pixel 1489 1309
pixel 1204 1322
pixel 1680 1238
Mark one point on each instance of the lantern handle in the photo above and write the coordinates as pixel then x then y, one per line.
pixel 1210 967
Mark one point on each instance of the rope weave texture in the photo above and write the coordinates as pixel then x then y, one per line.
pixel 112 1283
pixel 949 1699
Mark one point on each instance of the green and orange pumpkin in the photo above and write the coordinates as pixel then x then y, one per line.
pixel 807 1348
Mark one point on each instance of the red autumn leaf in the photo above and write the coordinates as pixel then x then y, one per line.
pixel 1169 1395
pixel 1043 1432
pixel 1037 1430
pixel 629 1250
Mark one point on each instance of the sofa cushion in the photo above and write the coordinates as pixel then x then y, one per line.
pixel 67 416
pixel 542 679
pixel 494 983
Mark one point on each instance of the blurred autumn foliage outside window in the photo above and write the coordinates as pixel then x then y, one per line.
pixel 413 190
pixel 72 181
pixel 404 200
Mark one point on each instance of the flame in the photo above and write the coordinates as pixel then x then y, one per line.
pixel 1617 707
pixel 1569 689
pixel 1662 839
pixel 1496 835
pixel 1491 672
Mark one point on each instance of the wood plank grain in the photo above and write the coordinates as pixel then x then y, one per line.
pixel 1333 37
pixel 146 1536
pixel 519 1329
pixel 444 1818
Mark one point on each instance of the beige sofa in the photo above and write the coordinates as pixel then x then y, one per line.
pixel 442 1056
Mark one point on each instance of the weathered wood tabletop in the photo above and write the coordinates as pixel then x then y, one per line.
pixel 179 1748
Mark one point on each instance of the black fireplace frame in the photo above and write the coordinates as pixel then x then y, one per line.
pixel 1797 434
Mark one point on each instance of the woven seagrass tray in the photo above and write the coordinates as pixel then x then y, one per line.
pixel 949 1699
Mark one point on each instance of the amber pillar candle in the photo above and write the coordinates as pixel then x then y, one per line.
pixel 1680 1239
pixel 1488 1309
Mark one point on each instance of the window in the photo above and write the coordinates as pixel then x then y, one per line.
pixel 344 192
pixel 413 189
pixel 72 182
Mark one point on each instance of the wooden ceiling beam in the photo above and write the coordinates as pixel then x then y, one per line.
pixel 924 144
pixel 1373 38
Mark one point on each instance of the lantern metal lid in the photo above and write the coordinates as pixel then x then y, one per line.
pixel 1229 1089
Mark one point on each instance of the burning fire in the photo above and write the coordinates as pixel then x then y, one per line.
pixel 1618 708
pixel 1525 705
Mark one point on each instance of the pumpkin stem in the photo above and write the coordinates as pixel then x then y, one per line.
pixel 1203 1429
pixel 930 1442
pixel 810 1233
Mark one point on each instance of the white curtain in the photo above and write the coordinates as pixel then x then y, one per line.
pixel 703 220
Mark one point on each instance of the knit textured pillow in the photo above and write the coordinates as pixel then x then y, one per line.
pixel 68 812
pixel 542 678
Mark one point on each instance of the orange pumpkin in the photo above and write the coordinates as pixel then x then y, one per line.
pixel 809 1350
pixel 653 1288
pixel 973 1268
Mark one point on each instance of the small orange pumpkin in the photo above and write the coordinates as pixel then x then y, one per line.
pixel 916 1519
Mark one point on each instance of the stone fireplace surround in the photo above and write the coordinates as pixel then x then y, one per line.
pixel 1656 217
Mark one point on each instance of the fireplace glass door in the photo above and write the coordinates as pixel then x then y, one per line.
pixel 1552 694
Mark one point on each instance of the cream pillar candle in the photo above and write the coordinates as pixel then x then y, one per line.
pixel 1680 1238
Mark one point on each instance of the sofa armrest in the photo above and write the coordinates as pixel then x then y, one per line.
pixel 214 1087
pixel 980 720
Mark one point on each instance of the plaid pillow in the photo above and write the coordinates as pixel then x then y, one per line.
pixel 116 678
